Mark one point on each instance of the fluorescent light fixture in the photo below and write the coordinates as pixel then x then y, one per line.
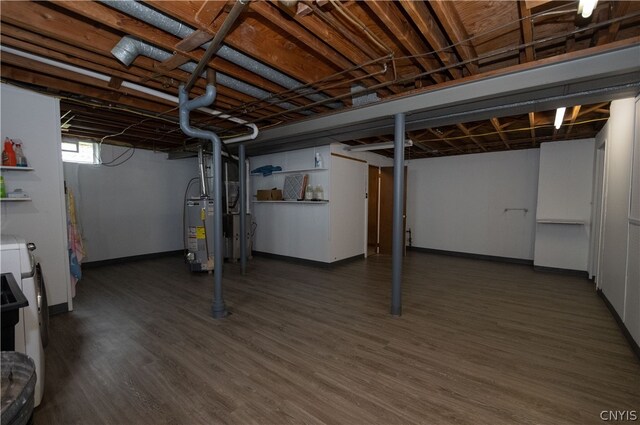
pixel 559 117
pixel 377 146
pixel 585 7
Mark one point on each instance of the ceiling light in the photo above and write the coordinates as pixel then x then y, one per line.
pixel 559 117
pixel 377 146
pixel 585 7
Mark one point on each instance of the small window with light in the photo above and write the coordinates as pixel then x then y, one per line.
pixel 79 151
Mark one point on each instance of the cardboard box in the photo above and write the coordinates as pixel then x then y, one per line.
pixel 270 195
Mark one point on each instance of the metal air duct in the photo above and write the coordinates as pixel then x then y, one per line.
pixel 170 25
pixel 128 48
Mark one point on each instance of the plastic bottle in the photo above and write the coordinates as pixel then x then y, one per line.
pixel 318 162
pixel 308 193
pixel 21 160
pixel 319 195
pixel 3 189
pixel 8 154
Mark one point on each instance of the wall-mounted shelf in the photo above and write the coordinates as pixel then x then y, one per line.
pixel 560 221
pixel 14 199
pixel 12 168
pixel 292 202
pixel 306 170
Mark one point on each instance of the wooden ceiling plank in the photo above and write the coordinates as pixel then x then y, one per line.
pixel 83 52
pixel 530 4
pixel 157 37
pixel 342 42
pixel 194 41
pixel 26 76
pixel 593 108
pixel 448 16
pixel 496 124
pixel 22 62
pixel 574 115
pixel 54 24
pixel 272 14
pixel 82 63
pixel 468 133
pixel 257 40
pixel 172 63
pixel 422 18
pixel 444 139
pixel 115 82
pixel 209 11
pixel 391 16
pixel 57 72
pixel 532 126
pixel 526 27
pixel 619 9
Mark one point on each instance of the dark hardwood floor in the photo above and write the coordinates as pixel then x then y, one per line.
pixel 478 343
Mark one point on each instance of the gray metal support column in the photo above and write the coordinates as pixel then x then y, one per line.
pixel 397 247
pixel 243 207
pixel 218 309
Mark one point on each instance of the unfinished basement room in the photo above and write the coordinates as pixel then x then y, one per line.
pixel 320 212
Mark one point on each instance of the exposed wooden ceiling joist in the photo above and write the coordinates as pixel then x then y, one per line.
pixel 329 46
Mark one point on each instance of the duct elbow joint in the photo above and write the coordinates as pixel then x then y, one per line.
pixel 127 50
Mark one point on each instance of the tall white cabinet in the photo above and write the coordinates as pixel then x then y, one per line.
pixel 323 231
pixel 34 119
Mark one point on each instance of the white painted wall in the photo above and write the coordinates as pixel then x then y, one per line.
pixel 131 209
pixel 348 207
pixel 565 186
pixel 458 203
pixel 35 120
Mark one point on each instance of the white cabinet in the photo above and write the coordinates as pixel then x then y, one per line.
pixel 310 230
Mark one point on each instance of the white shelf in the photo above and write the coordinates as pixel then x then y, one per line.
pixel 306 170
pixel 7 167
pixel 560 221
pixel 292 202
pixel 14 199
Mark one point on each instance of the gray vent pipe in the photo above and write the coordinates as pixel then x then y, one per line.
pixel 177 28
pixel 128 48
pixel 218 309
pixel 204 187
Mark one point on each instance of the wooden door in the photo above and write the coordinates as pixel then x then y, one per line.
pixel 372 208
pixel 386 209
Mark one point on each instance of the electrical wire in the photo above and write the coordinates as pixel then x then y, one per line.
pixel 513 130
pixel 132 149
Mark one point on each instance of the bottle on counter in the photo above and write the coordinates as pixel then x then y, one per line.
pixel 21 160
pixel 318 161
pixel 319 193
pixel 8 154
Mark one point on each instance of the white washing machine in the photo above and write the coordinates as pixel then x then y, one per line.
pixel 32 329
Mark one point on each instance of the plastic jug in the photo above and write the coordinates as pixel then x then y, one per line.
pixel 8 154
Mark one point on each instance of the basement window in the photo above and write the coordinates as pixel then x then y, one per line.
pixel 81 152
